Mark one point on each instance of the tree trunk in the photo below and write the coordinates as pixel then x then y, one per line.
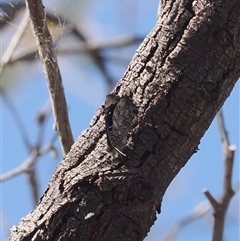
pixel 175 84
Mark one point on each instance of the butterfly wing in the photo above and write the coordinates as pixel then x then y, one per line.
pixel 119 113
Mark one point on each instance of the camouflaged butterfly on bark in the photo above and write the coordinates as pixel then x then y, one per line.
pixel 119 113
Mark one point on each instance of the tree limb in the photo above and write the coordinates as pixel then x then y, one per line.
pixel 177 81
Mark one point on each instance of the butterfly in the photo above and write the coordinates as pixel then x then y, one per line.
pixel 119 113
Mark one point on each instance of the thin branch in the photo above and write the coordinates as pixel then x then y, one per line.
pixel 218 207
pixel 31 173
pixel 212 200
pixel 91 46
pixel 14 41
pixel 221 207
pixel 52 72
pixel 37 151
pixel 98 46
pixel 41 121
pixel 223 132
pixel 97 58
pixel 228 192
pixel 199 211
pixel 16 117
pixel 27 164
pixel 110 44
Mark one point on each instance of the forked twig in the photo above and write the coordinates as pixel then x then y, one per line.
pixel 198 212
pixel 220 207
pixel 27 164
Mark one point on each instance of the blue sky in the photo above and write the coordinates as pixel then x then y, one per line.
pixel 85 91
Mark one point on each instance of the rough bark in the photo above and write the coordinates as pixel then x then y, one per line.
pixel 178 79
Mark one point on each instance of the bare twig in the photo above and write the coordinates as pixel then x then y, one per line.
pixel 91 46
pixel 223 132
pixel 31 173
pixel 41 120
pixel 36 149
pixel 211 199
pixel 14 41
pixel 110 44
pixel 220 207
pixel 16 117
pixel 52 72
pixel 27 164
pixel 96 57
pixel 199 211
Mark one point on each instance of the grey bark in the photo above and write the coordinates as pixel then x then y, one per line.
pixel 178 79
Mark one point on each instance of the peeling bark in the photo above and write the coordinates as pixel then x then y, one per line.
pixel 178 80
